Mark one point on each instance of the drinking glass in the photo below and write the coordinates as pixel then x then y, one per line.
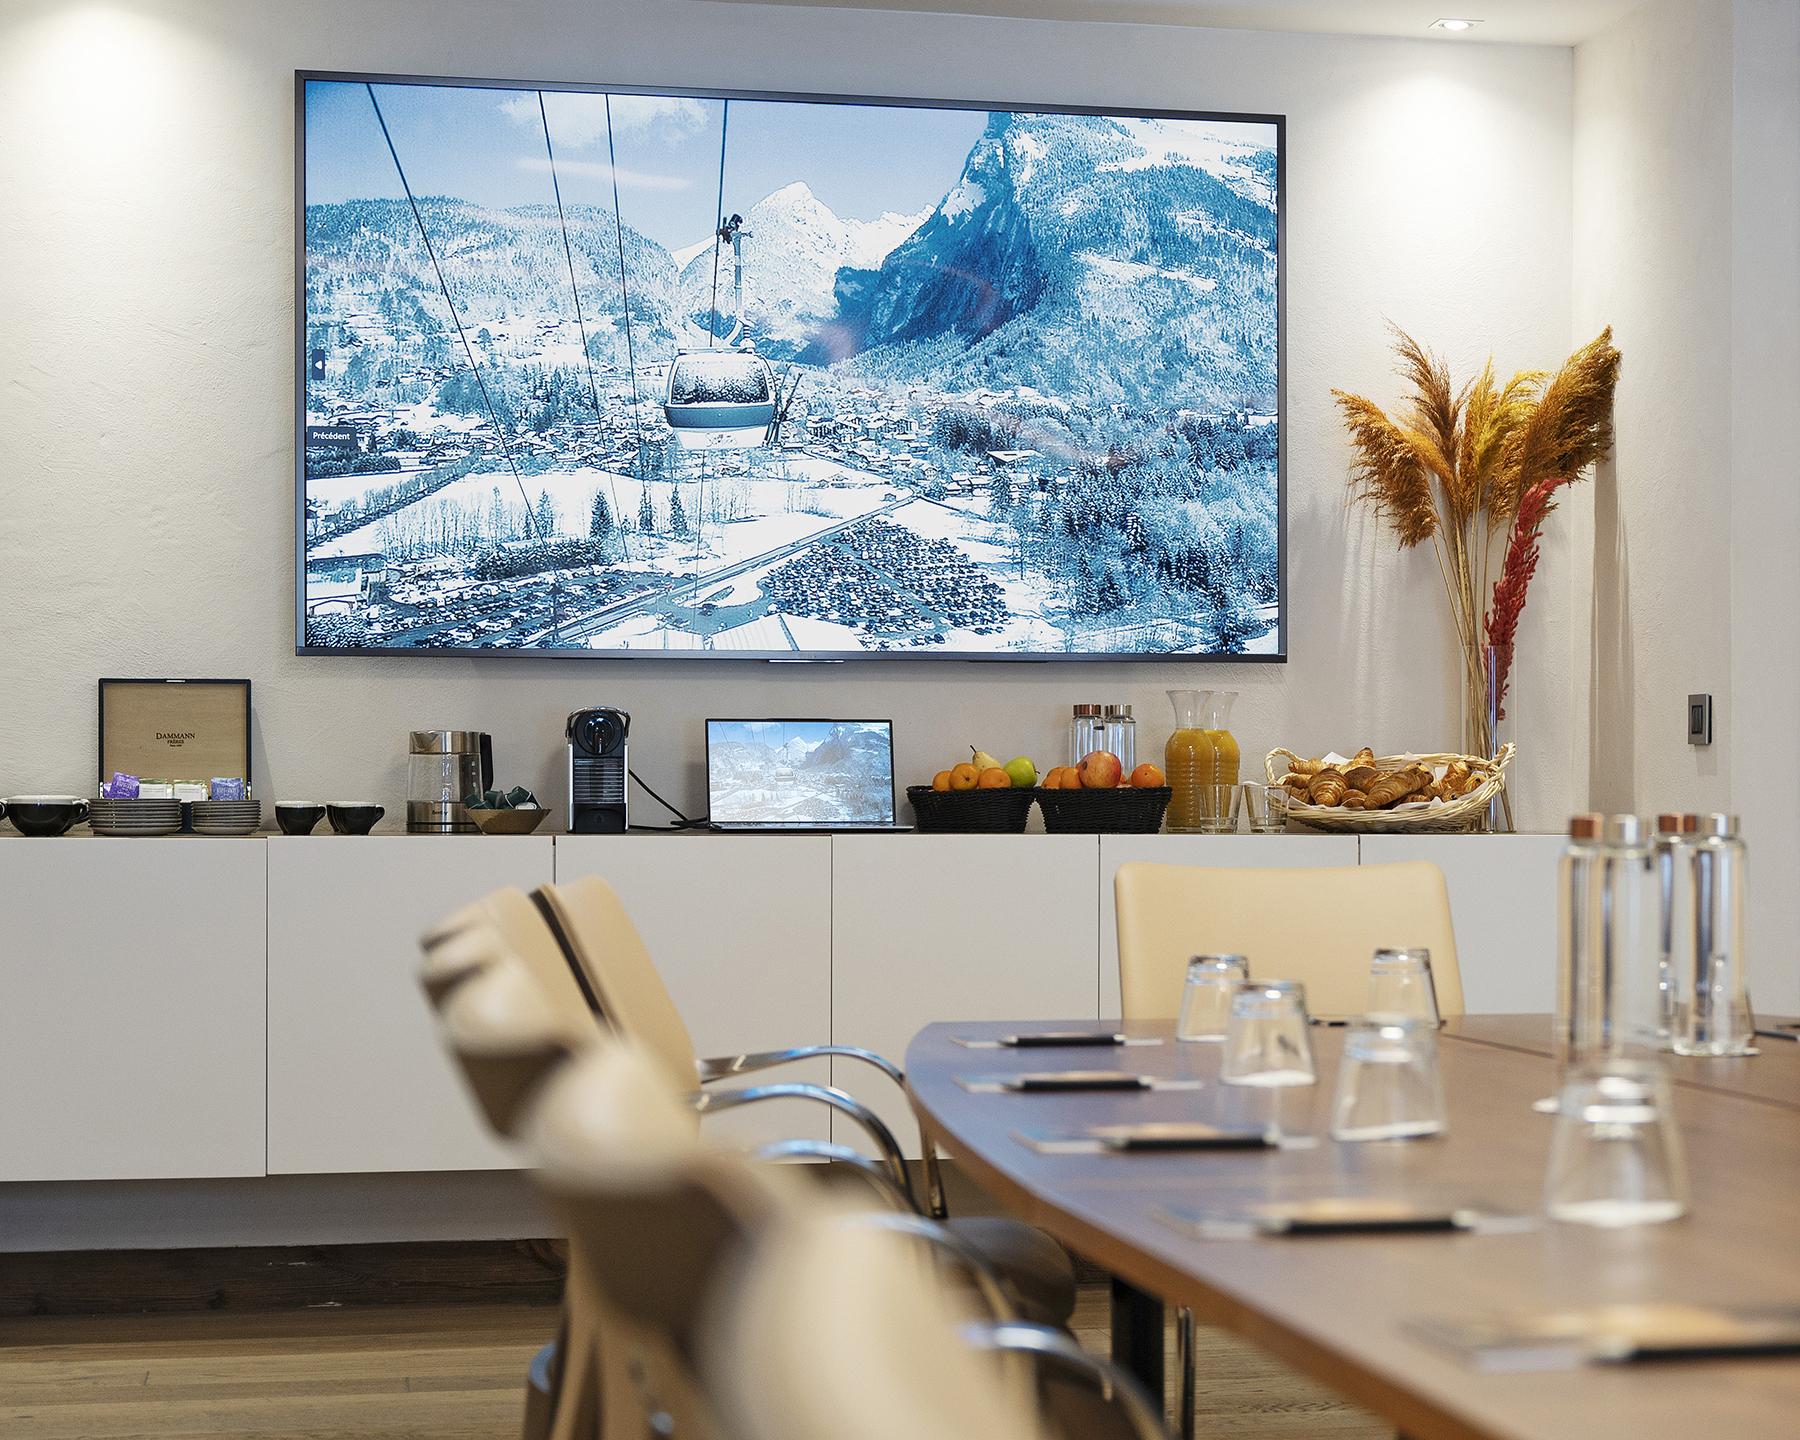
pixel 1266 1036
pixel 1206 998
pixel 1615 1157
pixel 1218 807
pixel 1265 809
pixel 1388 1085
pixel 1400 983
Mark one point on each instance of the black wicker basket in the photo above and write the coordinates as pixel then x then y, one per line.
pixel 1105 812
pixel 971 812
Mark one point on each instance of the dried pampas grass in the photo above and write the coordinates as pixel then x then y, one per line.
pixel 1460 468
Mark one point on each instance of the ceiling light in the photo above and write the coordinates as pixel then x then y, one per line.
pixel 1456 27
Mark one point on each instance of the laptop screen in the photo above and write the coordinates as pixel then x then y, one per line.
pixel 800 773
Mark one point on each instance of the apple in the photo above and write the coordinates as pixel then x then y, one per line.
pixel 1100 770
pixel 1022 772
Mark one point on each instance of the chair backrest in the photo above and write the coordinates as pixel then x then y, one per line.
pixel 621 974
pixel 655 1221
pixel 506 1036
pixel 1318 926
pixel 839 1330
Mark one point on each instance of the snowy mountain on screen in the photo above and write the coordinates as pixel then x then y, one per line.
pixel 794 248
pixel 1129 260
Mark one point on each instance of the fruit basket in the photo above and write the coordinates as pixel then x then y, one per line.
pixel 1134 811
pixel 971 812
pixel 1465 813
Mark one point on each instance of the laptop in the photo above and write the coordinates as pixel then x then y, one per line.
pixel 805 775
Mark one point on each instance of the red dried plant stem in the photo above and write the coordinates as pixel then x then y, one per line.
pixel 1508 604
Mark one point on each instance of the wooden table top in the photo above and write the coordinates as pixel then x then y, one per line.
pixel 1773 1076
pixel 1336 1308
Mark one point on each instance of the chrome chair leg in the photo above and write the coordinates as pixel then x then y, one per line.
pixel 1184 1363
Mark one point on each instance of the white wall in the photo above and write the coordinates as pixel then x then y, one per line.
pixel 146 305
pixel 1687 239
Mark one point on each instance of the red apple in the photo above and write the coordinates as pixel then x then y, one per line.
pixel 1100 770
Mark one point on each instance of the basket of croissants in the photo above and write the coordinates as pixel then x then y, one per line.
pixel 1387 794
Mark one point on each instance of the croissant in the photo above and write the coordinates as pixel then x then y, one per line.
pixel 1295 783
pixel 1305 767
pixel 1327 788
pixel 1361 777
pixel 1355 800
pixel 1364 756
pixel 1392 788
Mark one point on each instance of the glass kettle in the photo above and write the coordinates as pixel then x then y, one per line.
pixel 443 766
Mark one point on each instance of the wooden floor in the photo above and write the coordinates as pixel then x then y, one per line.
pixel 443 1373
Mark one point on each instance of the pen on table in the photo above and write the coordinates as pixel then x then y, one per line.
pixel 1793 1035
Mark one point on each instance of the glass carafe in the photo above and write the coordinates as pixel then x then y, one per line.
pixel 1202 751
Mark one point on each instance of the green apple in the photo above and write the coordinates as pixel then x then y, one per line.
pixel 1021 771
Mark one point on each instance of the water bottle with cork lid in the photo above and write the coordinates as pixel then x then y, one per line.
pixel 1713 1015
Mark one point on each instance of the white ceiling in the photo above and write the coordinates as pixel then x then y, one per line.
pixel 1516 22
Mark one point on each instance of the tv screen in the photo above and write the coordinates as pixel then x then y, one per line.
pixel 609 371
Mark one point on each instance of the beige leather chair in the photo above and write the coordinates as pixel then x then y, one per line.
pixel 756 1307
pixel 1320 927
pixel 605 945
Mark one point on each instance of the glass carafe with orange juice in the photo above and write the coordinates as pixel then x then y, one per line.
pixel 1201 752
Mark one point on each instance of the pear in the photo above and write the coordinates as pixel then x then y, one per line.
pixel 984 761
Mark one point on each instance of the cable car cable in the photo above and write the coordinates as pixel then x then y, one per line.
pixel 569 256
pixel 462 334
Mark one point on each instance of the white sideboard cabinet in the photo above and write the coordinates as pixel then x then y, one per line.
pixel 740 930
pixel 358 1078
pixel 968 927
pixel 138 978
pixel 131 1008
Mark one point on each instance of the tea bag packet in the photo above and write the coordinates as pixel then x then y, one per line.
pixel 230 788
pixel 121 787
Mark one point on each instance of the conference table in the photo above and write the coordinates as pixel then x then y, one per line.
pixel 1347 1309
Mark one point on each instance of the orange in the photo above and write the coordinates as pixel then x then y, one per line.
pixel 993 778
pixel 964 776
pixel 1148 777
pixel 941 780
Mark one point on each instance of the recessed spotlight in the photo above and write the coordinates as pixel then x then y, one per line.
pixel 1455 27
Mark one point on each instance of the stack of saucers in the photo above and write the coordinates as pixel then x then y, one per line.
pixel 226 817
pixel 134 817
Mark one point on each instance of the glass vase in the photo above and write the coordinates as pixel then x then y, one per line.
pixel 1486 722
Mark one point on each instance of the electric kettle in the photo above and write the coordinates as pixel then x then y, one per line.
pixel 443 767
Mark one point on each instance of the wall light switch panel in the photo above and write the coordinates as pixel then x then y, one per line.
pixel 1700 719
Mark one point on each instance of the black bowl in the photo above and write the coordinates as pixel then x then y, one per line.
pixel 44 815
pixel 353 817
pixel 297 817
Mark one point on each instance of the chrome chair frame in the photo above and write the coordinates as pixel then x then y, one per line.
pixel 724 1066
pixel 713 1102
pixel 1057 1349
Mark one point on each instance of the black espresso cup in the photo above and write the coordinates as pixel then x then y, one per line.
pixel 353 817
pixel 44 815
pixel 297 817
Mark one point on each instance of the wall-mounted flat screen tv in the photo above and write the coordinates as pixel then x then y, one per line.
pixel 617 372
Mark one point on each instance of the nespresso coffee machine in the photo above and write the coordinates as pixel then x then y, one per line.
pixel 444 766
pixel 597 771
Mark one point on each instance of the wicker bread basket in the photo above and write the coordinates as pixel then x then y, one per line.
pixel 1457 816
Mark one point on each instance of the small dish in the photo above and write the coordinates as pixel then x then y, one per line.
pixel 298 817
pixel 515 821
pixel 353 817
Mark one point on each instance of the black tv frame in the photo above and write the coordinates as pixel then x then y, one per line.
pixel 823 657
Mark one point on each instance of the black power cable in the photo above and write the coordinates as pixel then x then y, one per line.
pixel 681 822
